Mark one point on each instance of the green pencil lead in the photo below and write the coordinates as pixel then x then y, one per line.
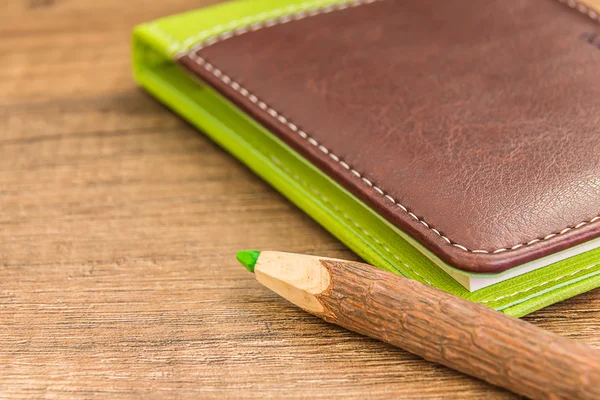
pixel 248 258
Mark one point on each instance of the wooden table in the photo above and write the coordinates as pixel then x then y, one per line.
pixel 118 228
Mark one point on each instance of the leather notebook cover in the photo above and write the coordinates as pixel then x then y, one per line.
pixel 469 130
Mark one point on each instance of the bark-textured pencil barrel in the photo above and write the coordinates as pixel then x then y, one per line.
pixel 435 325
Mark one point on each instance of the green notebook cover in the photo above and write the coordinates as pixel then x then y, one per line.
pixel 155 48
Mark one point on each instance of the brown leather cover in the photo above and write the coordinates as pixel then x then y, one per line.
pixel 471 125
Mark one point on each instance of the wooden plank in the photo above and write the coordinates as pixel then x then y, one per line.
pixel 118 226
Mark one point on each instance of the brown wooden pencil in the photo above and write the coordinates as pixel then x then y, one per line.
pixel 433 324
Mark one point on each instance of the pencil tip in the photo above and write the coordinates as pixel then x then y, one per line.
pixel 248 258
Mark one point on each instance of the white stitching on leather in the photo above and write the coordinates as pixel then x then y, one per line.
pixel 346 216
pixel 294 15
pixel 508 296
pixel 387 249
pixel 287 122
pixel 582 8
pixel 267 19
pixel 250 23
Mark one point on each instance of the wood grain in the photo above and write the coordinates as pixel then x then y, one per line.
pixel 118 228
pixel 446 329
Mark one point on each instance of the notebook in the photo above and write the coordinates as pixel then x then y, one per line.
pixel 455 143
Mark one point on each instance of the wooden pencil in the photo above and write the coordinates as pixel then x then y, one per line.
pixel 433 324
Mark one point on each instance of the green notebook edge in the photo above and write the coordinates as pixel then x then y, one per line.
pixel 155 45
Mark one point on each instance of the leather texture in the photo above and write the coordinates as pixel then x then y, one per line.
pixel 472 126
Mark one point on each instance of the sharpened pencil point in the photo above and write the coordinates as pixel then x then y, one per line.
pixel 248 258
